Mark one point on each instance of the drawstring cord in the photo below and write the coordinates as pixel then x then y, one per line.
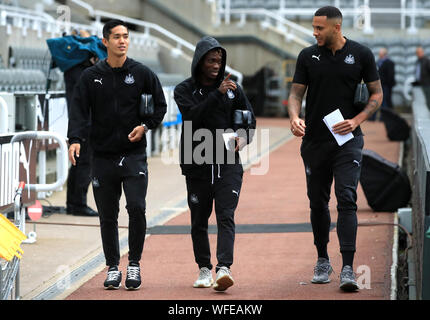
pixel 219 172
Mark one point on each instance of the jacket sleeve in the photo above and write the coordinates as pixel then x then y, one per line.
pixel 160 107
pixel 243 103
pixel 190 110
pixel 79 117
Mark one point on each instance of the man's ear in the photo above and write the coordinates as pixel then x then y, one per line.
pixel 105 41
pixel 337 25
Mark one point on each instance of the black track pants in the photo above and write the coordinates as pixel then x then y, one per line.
pixel 110 176
pixel 224 190
pixel 79 180
pixel 323 163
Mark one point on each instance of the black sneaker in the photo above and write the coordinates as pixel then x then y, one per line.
pixel 133 280
pixel 347 280
pixel 113 279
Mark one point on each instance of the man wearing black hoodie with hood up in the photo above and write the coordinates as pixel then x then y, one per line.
pixel 108 96
pixel 208 102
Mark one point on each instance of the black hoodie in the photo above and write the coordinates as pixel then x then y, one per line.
pixel 207 108
pixel 110 98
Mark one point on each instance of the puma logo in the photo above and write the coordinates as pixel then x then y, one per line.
pixel 235 192
pixel 99 81
pixel 316 57
pixel 358 163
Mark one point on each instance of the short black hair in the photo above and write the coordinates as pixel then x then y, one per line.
pixel 107 29
pixel 330 12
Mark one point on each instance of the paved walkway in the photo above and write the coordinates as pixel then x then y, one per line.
pixel 274 251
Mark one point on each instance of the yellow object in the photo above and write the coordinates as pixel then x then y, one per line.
pixel 10 239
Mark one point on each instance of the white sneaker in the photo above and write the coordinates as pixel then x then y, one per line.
pixel 223 280
pixel 205 279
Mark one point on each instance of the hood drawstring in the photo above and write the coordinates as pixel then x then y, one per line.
pixel 219 172
pixel 120 162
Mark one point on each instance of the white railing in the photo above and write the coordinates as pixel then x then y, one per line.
pixel 181 45
pixel 291 30
pixel 361 11
pixel 28 19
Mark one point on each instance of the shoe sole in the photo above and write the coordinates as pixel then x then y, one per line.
pixel 349 286
pixel 132 288
pixel 323 282
pixel 111 287
pixel 203 286
pixel 320 282
pixel 223 283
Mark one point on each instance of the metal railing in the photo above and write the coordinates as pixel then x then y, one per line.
pixel 421 189
pixel 180 45
pixel 361 11
pixel 291 30
pixel 9 271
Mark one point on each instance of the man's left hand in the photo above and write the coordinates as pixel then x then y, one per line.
pixel 137 134
pixel 240 143
pixel 345 127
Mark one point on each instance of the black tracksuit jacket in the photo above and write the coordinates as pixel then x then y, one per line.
pixel 110 98
pixel 208 108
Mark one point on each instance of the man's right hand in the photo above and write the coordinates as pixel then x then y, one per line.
pixel 74 151
pixel 298 127
pixel 227 84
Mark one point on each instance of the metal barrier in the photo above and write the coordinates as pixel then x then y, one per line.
pixel 9 271
pixel 421 192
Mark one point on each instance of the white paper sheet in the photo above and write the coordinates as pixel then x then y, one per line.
pixel 330 120
pixel 229 140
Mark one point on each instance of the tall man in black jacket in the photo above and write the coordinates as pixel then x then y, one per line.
pixel 207 102
pixel 108 95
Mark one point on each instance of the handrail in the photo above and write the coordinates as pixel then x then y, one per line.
pixel 291 26
pixel 4 115
pixel 84 5
pixel 62 166
pixel 180 43
pixel 44 15
pixel 359 9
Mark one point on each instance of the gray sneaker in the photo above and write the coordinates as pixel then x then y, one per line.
pixel 347 280
pixel 205 279
pixel 322 271
pixel 223 280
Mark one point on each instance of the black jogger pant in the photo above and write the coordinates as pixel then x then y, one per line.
pixel 323 162
pixel 79 179
pixel 109 177
pixel 224 190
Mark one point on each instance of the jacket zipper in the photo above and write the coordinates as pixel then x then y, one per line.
pixel 116 109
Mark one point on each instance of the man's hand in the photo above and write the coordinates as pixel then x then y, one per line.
pixel 137 134
pixel 240 143
pixel 345 127
pixel 298 127
pixel 227 84
pixel 74 151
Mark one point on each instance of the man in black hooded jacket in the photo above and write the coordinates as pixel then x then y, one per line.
pixel 208 102
pixel 108 95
